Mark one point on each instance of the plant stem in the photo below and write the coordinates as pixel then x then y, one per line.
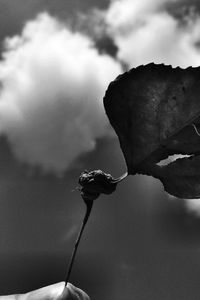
pixel 89 205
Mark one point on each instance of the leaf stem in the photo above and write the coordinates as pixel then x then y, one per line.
pixel 195 128
pixel 119 179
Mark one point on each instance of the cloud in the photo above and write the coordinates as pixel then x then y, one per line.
pixel 193 206
pixel 52 84
pixel 144 32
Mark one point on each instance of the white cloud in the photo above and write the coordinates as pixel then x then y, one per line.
pixel 52 84
pixel 145 32
pixel 193 206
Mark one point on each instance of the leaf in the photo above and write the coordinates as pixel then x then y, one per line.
pixel 155 111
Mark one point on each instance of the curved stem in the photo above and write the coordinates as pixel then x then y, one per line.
pixel 195 128
pixel 122 177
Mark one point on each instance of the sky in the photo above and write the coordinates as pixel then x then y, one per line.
pixel 57 59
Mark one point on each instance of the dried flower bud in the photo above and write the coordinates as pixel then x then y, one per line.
pixel 95 183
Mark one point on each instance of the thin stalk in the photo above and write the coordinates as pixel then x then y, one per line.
pixel 196 130
pixel 89 205
pixel 119 179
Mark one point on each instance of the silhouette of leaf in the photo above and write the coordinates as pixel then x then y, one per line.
pixel 155 111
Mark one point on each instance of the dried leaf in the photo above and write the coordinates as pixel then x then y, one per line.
pixel 155 111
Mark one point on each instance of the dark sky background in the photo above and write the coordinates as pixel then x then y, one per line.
pixel 139 243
